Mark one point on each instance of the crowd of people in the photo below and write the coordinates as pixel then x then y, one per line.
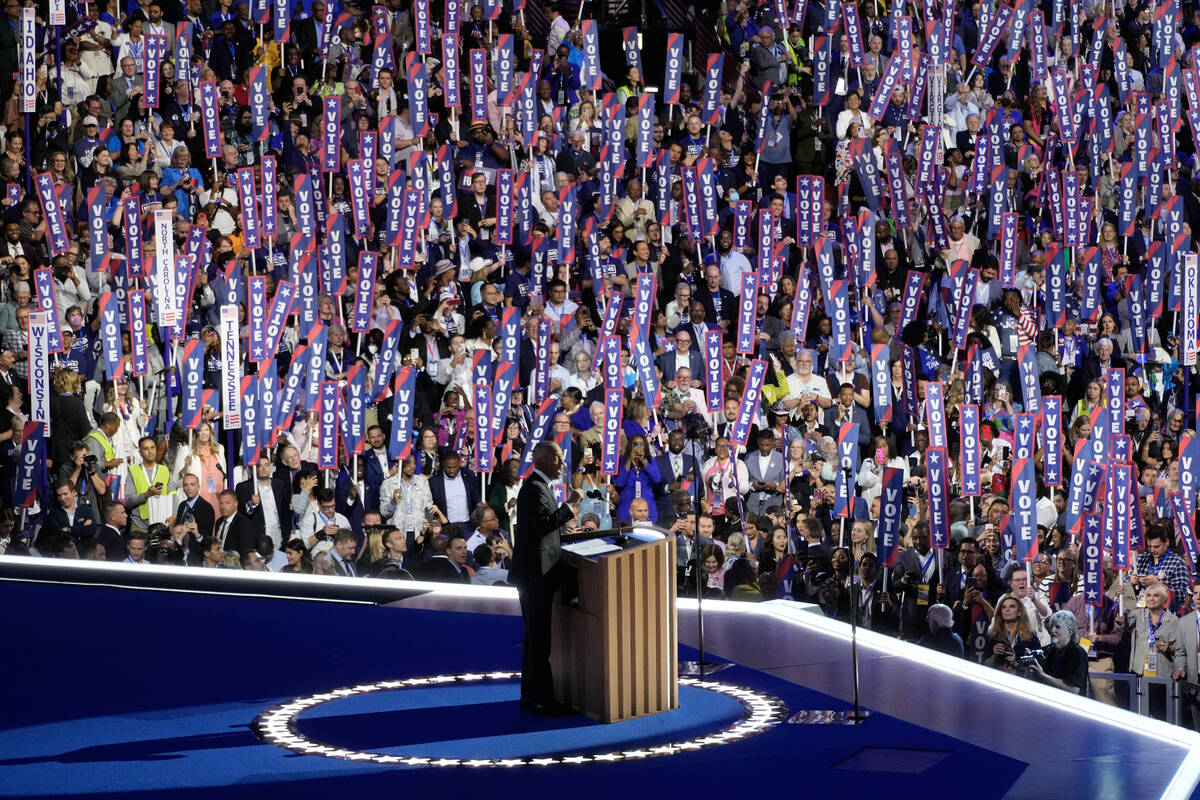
pixel 757 299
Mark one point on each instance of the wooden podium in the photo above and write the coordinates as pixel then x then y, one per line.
pixel 614 653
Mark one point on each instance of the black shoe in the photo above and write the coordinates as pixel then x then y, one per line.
pixel 526 703
pixel 555 709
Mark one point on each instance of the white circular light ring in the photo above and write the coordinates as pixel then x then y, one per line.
pixel 278 725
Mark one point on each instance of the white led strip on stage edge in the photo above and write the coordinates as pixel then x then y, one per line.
pixel 279 726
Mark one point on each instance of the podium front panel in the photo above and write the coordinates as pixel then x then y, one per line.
pixel 615 653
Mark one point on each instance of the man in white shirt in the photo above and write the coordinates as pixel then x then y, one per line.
pixel 71 286
pixel 962 244
pixel 224 196
pixel 559 375
pixel 558 307
pixel 958 108
pixel 733 264
pixel 559 28
pixel 322 519
pixel 677 309
pixel 404 497
pixel 804 386
pixel 455 490
pixel 485 524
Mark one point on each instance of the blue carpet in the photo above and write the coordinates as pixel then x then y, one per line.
pixel 482 721
pixel 114 693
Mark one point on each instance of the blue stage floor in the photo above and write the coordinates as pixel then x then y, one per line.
pixel 114 692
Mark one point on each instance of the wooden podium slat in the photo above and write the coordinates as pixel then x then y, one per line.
pixel 615 656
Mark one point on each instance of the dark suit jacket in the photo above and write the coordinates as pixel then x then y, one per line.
pixel 228 62
pixel 305 32
pixel 857 414
pixel 470 208
pixel 540 521
pixel 240 533
pixel 1089 371
pixel 85 521
pixel 572 162
pixel 670 363
pixel 202 512
pixel 697 345
pixel 375 476
pixel 113 541
pixel 661 494
pixel 437 487
pixel 283 504
pixel 70 425
pixel 194 557
pixel 339 569
pixel 442 570
pixel 729 306
pixel 912 619
pixel 965 143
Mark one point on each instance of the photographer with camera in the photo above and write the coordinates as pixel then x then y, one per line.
pixel 1011 638
pixel 1064 664
pixel 81 472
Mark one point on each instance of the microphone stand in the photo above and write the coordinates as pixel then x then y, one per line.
pixel 857 715
pixel 700 667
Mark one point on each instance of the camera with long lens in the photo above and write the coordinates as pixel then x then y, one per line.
pixel 695 426
pixel 1031 657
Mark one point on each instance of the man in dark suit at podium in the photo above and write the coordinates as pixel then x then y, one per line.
pixel 536 572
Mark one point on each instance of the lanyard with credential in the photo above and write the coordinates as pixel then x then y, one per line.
pixel 926 563
pixel 1151 630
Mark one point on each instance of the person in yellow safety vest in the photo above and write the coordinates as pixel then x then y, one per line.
pixel 798 60
pixel 148 479
pixel 99 444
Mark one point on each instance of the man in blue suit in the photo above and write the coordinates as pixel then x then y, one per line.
pixel 455 490
pixel 684 355
pixel 378 465
pixel 676 469
pixel 70 515
pixel 846 410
